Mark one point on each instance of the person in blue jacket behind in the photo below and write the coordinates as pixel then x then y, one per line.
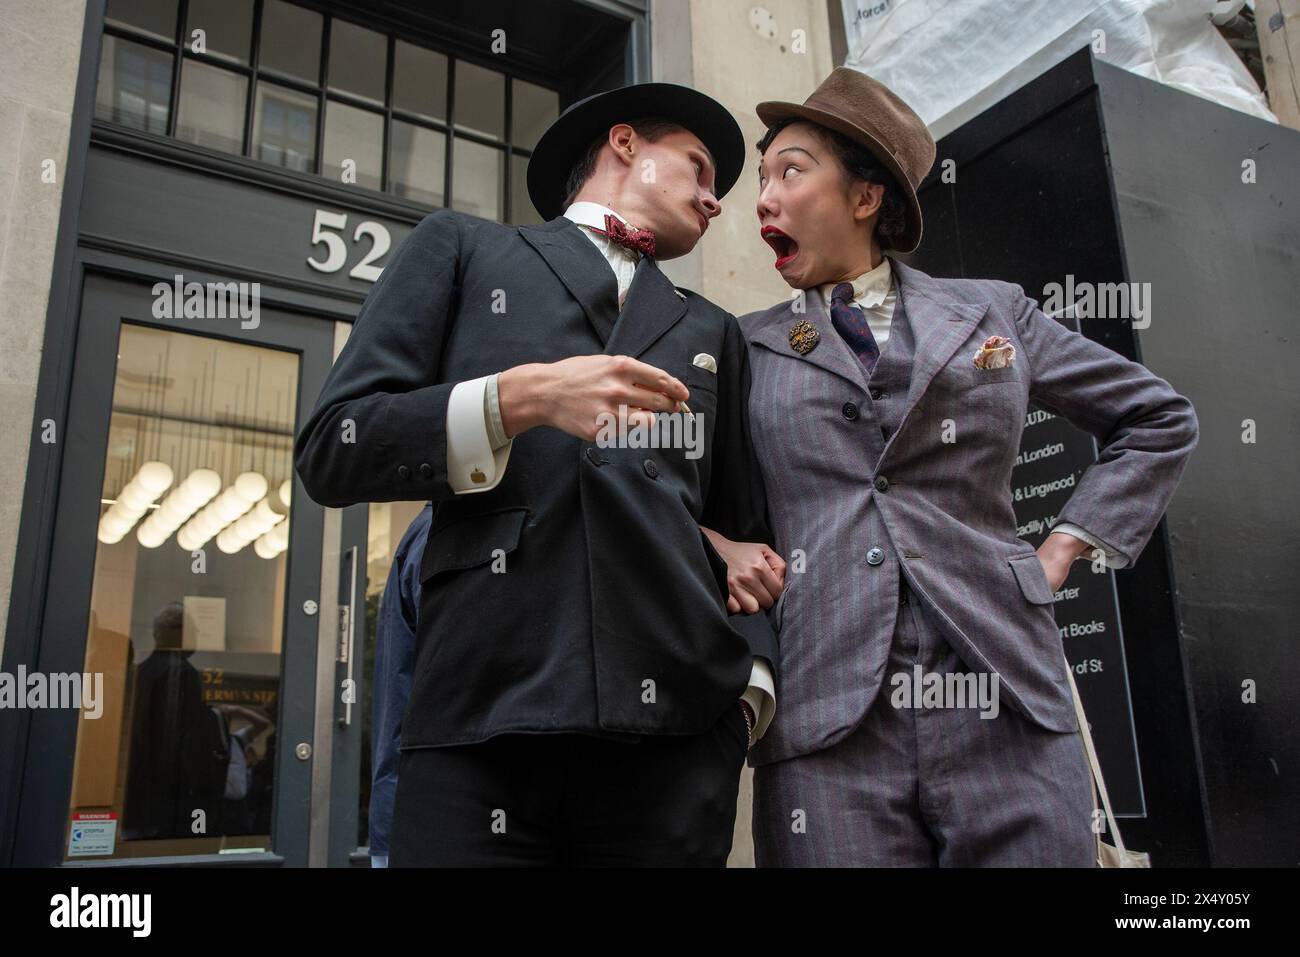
pixel 394 653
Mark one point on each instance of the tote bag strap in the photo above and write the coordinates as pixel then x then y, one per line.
pixel 1099 782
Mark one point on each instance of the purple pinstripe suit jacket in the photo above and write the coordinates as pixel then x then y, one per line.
pixel 943 515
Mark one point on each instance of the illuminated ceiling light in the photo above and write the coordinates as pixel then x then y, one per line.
pixel 108 532
pixel 251 486
pixel 229 541
pixel 183 502
pixel 237 499
pixel 273 542
pixel 155 477
pixel 256 522
pixel 133 501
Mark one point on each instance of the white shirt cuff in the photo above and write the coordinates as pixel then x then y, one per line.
pixel 472 465
pixel 761 696
pixel 1113 558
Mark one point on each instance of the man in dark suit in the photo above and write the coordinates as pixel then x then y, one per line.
pixel 576 683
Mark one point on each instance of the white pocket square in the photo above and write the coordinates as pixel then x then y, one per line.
pixel 997 352
pixel 706 361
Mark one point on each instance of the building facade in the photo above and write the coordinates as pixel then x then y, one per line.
pixel 198 195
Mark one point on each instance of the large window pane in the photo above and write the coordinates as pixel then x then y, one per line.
pixel 417 164
pixel 135 85
pixel 480 100
pixel 522 212
pixel 284 128
pixel 532 110
pixel 358 60
pixel 420 81
pixel 155 17
pixel 188 596
pixel 357 135
pixel 290 42
pixel 476 179
pixel 227 26
pixel 212 107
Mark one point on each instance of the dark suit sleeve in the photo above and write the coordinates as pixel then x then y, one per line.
pixel 1145 430
pixel 736 506
pixel 382 405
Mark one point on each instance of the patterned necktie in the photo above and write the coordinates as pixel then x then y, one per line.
pixel 848 319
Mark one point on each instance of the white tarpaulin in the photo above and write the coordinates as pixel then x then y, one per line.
pixel 952 59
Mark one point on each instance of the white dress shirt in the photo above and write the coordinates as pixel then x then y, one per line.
pixel 476 439
pixel 875 293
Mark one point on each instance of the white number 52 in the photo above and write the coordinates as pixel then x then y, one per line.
pixel 337 251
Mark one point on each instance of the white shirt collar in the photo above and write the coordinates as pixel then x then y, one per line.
pixel 622 260
pixel 591 214
pixel 871 288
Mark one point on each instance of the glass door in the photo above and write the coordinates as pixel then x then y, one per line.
pixel 191 577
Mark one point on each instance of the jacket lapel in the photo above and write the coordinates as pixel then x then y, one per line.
pixel 831 353
pixel 939 327
pixel 651 308
pixel 583 270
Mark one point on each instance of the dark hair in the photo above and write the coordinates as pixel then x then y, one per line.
pixel 169 626
pixel 858 163
pixel 650 128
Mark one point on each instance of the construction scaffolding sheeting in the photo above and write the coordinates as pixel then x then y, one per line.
pixel 951 59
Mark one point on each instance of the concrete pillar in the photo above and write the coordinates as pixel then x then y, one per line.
pixel 40 50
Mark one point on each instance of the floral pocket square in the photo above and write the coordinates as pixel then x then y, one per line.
pixel 996 353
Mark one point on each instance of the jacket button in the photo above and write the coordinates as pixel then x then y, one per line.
pixel 651 469
pixel 875 556
pixel 877 393
pixel 594 457
pixel 426 470
pixel 403 472
pixel 850 411
pixel 885 433
pixel 882 483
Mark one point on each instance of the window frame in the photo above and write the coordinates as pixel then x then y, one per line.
pixel 254 73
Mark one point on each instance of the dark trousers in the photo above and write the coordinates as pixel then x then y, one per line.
pixel 571 800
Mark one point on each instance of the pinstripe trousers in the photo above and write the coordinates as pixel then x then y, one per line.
pixel 918 787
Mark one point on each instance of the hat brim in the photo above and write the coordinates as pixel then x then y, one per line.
pixel 773 112
pixel 569 137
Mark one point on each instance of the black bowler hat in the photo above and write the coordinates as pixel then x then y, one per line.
pixel 570 136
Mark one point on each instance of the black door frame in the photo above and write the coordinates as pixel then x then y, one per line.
pixel 40 817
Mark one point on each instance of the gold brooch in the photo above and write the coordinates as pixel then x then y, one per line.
pixel 804 337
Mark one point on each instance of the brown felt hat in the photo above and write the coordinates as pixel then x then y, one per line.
pixel 869 113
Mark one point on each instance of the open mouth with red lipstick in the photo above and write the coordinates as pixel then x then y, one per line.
pixel 785 247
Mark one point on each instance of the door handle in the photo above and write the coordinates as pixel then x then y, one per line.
pixel 347 635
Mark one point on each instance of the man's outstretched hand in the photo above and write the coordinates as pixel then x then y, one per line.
pixel 755 573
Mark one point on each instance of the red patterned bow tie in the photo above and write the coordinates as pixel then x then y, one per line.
pixel 638 240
